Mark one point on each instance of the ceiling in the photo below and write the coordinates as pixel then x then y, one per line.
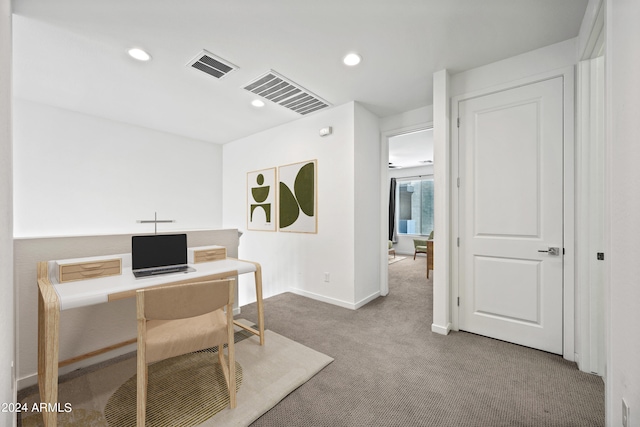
pixel 72 54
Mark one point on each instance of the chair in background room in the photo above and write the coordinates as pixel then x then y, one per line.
pixel 420 247
pixel 179 319
pixel 392 250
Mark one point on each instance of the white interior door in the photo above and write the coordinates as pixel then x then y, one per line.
pixel 511 212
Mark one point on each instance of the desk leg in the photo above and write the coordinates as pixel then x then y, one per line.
pixel 48 347
pixel 258 279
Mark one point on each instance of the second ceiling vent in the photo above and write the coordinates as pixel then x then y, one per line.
pixel 212 64
pixel 283 91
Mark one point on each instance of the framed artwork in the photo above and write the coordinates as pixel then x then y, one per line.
pixel 261 200
pixel 297 197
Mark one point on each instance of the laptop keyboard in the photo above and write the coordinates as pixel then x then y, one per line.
pixel 160 270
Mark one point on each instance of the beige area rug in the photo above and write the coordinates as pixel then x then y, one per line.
pixel 267 374
pixel 396 259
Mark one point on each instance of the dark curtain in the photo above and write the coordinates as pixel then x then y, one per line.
pixel 392 209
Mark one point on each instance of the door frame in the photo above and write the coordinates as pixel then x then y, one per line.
pixel 384 195
pixel 590 215
pixel 568 292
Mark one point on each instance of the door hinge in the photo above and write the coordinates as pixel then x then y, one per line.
pixel 458 301
pixel 458 241
pixel 458 182
pixel 458 121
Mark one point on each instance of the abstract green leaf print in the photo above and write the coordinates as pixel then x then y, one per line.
pixel 303 187
pixel 289 210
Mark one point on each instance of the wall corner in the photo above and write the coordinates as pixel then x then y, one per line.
pixel 442 199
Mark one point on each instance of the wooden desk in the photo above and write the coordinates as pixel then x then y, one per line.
pixel 429 256
pixel 54 297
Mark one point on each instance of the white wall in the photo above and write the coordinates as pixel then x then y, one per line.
pixel 442 215
pixel 7 318
pixel 623 222
pixel 407 121
pixel 528 64
pixel 293 261
pixel 367 202
pixel 76 174
pixel 590 217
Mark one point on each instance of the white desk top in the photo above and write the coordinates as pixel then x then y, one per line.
pixel 96 291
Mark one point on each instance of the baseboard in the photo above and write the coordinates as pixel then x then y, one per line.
pixel 442 330
pixel 367 300
pixel 333 301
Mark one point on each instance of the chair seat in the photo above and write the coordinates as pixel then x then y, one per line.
pixel 170 338
pixel 421 248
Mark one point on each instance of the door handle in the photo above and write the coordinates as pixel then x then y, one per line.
pixel 552 251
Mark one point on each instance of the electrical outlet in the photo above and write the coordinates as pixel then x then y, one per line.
pixel 327 277
pixel 625 414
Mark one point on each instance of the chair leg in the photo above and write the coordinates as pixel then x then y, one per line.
pixel 232 376
pixel 229 371
pixel 141 399
pixel 414 255
pixel 231 352
pixel 223 365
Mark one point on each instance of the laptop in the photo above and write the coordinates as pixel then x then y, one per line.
pixel 159 254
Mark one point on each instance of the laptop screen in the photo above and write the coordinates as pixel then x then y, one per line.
pixel 158 250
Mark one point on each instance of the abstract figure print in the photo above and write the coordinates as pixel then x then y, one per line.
pixel 261 188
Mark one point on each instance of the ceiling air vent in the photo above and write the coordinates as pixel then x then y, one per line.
pixel 211 64
pixel 283 91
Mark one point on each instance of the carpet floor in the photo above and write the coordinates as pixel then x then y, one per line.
pixel 393 260
pixel 391 370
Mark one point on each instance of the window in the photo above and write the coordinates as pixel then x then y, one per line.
pixel 414 206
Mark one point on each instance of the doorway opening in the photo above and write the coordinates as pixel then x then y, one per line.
pixel 410 194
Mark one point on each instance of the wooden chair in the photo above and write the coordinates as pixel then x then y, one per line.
pixel 178 319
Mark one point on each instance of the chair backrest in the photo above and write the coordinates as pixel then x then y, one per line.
pixel 184 300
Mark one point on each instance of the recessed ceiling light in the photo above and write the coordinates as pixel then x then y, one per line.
pixel 257 103
pixel 352 59
pixel 139 54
